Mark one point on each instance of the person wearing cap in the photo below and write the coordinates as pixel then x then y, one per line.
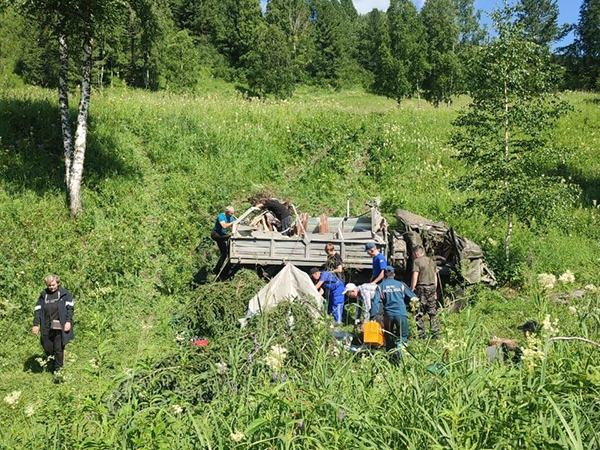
pixel 390 296
pixel 364 298
pixel 333 289
pixel 221 236
pixel 424 283
pixel 379 262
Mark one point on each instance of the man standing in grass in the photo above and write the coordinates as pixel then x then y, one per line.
pixel 424 283
pixel 221 236
pixel 390 296
pixel 379 262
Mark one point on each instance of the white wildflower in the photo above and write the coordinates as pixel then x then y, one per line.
pixel 551 327
pixel 567 277
pixel 532 352
pixel 572 310
pixel 237 436
pixel 29 411
pixel 93 363
pixel 275 357
pixel 146 326
pixel 180 337
pixel 177 409
pixel 13 398
pixel 590 288
pixel 546 281
pixel 128 372
pixel 414 304
pixel 221 368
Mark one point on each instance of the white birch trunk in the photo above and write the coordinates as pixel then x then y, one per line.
pixel 81 133
pixel 506 154
pixel 63 100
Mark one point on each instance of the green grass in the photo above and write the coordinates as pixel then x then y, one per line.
pixel 159 167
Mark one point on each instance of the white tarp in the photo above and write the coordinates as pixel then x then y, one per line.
pixel 289 284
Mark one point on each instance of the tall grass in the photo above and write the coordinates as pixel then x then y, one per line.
pixel 159 168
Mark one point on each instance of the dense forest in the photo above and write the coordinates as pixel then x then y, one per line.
pixel 169 44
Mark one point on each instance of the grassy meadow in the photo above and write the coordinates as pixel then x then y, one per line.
pixel 158 169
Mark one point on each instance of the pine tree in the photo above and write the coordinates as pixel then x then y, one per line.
pixel 439 17
pixel 408 48
pixel 269 64
pixel 292 17
pixel 587 44
pixel 539 19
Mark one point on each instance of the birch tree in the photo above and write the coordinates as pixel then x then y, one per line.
pixel 503 135
pixel 74 24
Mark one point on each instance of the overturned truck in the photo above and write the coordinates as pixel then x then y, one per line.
pixel 254 243
pixel 456 257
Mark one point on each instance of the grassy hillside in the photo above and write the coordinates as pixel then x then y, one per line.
pixel 159 168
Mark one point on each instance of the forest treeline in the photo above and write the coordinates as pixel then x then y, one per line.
pixel 170 44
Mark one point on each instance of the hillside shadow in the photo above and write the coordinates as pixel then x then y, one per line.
pixel 31 150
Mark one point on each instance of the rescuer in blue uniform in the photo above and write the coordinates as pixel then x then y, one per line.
pixel 333 288
pixel 379 262
pixel 394 308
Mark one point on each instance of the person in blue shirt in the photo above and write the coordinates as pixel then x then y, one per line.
pixel 333 289
pixel 379 262
pixel 221 236
pixel 389 296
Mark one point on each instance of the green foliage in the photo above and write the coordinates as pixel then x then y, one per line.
pixel 160 166
pixel 439 18
pixel 539 19
pixel 503 135
pixel 269 64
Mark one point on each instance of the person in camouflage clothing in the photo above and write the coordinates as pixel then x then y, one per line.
pixel 424 283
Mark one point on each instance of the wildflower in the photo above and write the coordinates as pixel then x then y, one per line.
pixel 237 436
pixel 177 409
pixel 93 363
pixel 250 357
pixel 276 356
pixel 567 277
pixel 572 310
pixel 221 368
pixel 590 288
pixel 532 353
pixel 546 281
pixel 29 411
pixel 275 376
pixel 414 304
pixel 283 377
pixel 301 426
pixel 180 337
pixel 13 398
pixel 340 414
pixel 551 327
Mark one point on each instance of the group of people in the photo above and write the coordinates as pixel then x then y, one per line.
pixel 383 298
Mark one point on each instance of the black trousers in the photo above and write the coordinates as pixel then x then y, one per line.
pixel 52 343
pixel 223 244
